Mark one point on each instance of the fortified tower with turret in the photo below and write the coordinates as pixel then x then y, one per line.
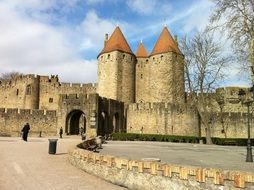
pixel 166 70
pixel 116 69
pixel 158 77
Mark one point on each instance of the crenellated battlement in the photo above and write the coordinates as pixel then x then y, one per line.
pixel 50 78
pixel 230 115
pixel 74 96
pixel 26 112
pixel 21 78
pixel 154 106
pixel 79 85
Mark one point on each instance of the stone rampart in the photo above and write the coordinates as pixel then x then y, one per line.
pixel 20 92
pixel 135 174
pixel 162 118
pixel 13 120
pixel 10 83
pixel 51 88
pixel 229 125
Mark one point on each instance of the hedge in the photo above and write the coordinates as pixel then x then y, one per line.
pixel 154 137
pixel 181 139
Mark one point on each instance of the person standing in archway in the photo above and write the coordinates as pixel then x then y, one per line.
pixel 25 131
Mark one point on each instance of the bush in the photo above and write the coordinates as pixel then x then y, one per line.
pixel 154 137
pixel 173 138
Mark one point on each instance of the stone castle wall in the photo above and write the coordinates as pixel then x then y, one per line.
pixel 143 76
pixel 86 103
pixel 13 120
pixel 110 116
pixel 21 92
pixel 229 125
pixel 38 92
pixel 162 118
pixel 116 76
pixel 160 78
pixel 166 82
pixel 51 88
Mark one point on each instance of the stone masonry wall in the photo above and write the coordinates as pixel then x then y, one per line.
pixel 107 75
pixel 127 84
pixel 13 120
pixel 116 76
pixel 51 88
pixel 143 75
pixel 139 175
pixel 166 78
pixel 229 125
pixel 86 103
pixel 162 118
pixel 21 92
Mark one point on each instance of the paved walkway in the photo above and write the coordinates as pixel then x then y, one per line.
pixel 28 166
pixel 222 157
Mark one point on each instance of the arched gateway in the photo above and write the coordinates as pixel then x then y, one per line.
pixel 75 122
pixel 91 113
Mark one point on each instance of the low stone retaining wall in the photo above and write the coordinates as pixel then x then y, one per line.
pixel 141 175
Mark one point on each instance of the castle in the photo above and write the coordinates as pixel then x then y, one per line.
pixel 135 93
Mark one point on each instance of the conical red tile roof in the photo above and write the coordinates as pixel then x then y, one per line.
pixel 116 41
pixel 165 43
pixel 141 51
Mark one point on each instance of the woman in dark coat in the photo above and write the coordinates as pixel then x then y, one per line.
pixel 25 131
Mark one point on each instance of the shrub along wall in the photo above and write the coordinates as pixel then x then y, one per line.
pixel 181 139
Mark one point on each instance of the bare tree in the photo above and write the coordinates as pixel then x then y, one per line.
pixel 236 18
pixel 9 76
pixel 204 66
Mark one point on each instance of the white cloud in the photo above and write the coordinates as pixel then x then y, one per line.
pixel 30 46
pixel 197 17
pixel 92 32
pixel 142 6
pixel 93 29
pixel 149 6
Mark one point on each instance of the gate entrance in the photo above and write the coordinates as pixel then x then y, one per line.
pixel 75 122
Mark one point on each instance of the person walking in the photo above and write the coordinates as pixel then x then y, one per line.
pixel 61 132
pixel 25 131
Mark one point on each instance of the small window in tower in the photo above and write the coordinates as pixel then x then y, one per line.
pixel 161 57
pixel 50 100
pixel 108 56
pixel 131 58
pixel 28 90
pixel 146 61
pixel 101 57
pixel 123 56
pixel 154 59
pixel 141 76
pixel 17 92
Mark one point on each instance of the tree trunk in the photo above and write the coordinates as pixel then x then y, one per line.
pixel 208 134
pixel 252 58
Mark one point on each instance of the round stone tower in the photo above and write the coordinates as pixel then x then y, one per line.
pixel 142 74
pixel 116 69
pixel 167 70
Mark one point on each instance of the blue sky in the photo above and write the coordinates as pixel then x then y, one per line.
pixel 65 36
